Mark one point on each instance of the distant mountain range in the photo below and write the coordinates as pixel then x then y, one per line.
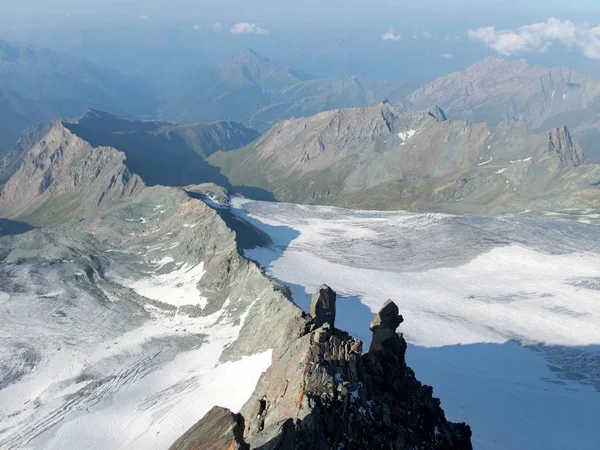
pixel 38 85
pixel 512 93
pixel 324 141
pixel 381 158
pixel 259 92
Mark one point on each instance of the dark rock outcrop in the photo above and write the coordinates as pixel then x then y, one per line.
pixel 568 149
pixel 384 327
pixel 438 114
pixel 323 392
pixel 219 429
pixel 322 306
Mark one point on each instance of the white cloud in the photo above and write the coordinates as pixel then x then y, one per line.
pixel 540 37
pixel 197 27
pixel 248 28
pixel 391 36
pixel 447 55
pixel 217 26
pixel 143 17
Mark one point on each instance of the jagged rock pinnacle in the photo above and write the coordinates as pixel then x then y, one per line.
pixel 383 326
pixel 322 306
pixel 387 317
pixel 322 392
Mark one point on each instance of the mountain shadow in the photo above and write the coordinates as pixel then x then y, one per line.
pixel 167 154
pixel 10 227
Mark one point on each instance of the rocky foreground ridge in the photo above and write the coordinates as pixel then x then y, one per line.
pixel 323 392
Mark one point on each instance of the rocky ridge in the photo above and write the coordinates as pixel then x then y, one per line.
pixel 323 392
pixel 383 158
pixel 514 93
pixel 104 235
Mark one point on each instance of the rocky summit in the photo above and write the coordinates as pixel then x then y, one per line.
pixel 323 392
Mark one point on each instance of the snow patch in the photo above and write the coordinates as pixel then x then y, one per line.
pixel 406 135
pixel 486 162
pixel 160 263
pixel 521 160
pixel 177 288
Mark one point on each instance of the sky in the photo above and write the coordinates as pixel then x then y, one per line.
pixel 378 38
pixel 351 12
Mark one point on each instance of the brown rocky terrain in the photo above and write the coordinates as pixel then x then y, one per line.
pixel 323 392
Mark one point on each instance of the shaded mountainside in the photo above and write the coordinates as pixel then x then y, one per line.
pixel 38 85
pixel 255 90
pixel 41 73
pixel 322 392
pixel 380 158
pixel 513 93
pixel 18 111
pixel 161 152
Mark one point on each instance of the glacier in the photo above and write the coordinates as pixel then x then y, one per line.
pixel 502 315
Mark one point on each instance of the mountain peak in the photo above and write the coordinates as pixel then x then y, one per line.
pixel 249 56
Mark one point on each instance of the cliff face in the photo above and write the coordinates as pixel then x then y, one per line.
pixel 323 392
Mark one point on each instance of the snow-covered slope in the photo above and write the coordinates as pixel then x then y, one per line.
pixel 503 314
pixel 116 332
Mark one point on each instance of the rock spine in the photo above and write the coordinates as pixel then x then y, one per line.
pixel 322 392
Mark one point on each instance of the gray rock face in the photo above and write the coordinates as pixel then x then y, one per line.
pixel 438 114
pixel 322 392
pixel 568 149
pixel 322 306
pixel 387 317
